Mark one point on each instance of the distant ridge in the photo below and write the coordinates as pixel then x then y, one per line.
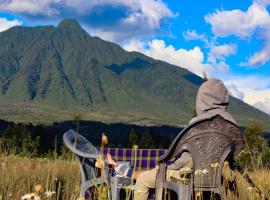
pixel 50 73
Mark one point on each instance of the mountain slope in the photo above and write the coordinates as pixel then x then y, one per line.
pixel 49 73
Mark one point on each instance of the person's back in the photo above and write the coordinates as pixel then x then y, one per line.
pixel 212 136
pixel 211 103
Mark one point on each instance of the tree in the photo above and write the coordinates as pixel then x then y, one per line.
pixel 158 141
pixel 132 138
pixel 147 141
pixel 18 140
pixel 256 150
pixel 29 146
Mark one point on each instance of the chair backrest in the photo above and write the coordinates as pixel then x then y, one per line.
pixel 209 144
pixel 145 158
pixel 86 154
pixel 80 145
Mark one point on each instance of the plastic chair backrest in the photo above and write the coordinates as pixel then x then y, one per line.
pixel 86 154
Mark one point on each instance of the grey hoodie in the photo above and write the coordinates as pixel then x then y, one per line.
pixel 212 99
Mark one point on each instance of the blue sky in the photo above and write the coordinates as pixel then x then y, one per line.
pixel 227 39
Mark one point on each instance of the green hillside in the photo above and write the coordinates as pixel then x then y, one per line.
pixel 50 73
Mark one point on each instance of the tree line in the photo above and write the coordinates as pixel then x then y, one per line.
pixel 18 139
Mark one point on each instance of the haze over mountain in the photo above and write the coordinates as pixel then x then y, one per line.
pixel 49 73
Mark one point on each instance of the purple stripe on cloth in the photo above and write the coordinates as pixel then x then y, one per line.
pixel 152 163
pixel 137 163
pixel 138 153
pixel 153 153
pixel 129 152
pixel 106 151
pixel 120 152
pixel 112 152
pixel 145 158
pixel 144 164
pixel 144 153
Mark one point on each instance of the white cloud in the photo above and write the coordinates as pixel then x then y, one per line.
pixel 234 91
pixel 193 35
pixel 262 56
pixel 135 45
pixel 126 18
pixel 192 59
pixel 249 82
pixel 221 51
pixel 222 66
pixel 150 12
pixel 263 105
pixel 237 22
pixel 143 19
pixel 218 54
pixel 259 99
pixel 263 2
pixel 245 24
pixel 254 90
pixel 6 24
pixel 32 7
pixel 259 58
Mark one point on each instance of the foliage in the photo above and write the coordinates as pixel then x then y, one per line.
pixel 147 141
pixel 256 153
pixel 133 138
pixel 17 140
pixel 66 154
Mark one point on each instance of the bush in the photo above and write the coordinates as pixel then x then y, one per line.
pixel 256 153
pixel 17 140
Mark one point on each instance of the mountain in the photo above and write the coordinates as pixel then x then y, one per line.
pixel 51 73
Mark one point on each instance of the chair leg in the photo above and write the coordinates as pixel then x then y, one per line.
pixel 114 189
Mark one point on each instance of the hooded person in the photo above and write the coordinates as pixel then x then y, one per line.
pixel 212 100
pixel 211 103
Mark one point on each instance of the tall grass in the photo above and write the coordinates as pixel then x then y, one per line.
pixel 261 179
pixel 19 176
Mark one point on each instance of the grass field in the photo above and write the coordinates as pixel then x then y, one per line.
pixel 20 176
pixel 38 113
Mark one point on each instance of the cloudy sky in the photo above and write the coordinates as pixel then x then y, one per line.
pixel 228 39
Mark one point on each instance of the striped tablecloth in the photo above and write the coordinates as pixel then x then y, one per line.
pixel 145 158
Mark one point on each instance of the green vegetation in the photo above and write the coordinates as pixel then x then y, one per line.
pixel 49 73
pixel 59 173
pixel 147 141
pixel 17 140
pixel 256 153
pixel 133 138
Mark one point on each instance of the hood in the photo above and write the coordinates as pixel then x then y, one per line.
pixel 212 95
pixel 212 99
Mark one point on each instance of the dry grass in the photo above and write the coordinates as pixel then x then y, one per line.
pixel 19 176
pixel 261 179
